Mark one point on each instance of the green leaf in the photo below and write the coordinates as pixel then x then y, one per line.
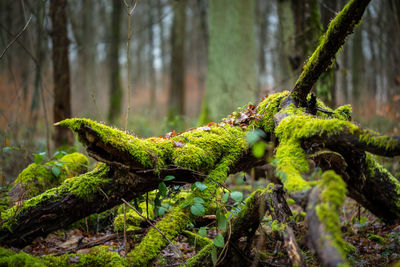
pixel 59 154
pixel 8 148
pixel 197 209
pixel 169 178
pixel 225 197
pixel 253 137
pixel 59 164
pixel 200 186
pixel 163 189
pixel 38 157
pixel 56 171
pixel 214 256
pixel 161 211
pixel 259 149
pixel 184 205
pixel 198 200
pixel 237 196
pixel 219 241
pixel 222 221
pixel 203 231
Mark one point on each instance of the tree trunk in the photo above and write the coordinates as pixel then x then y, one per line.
pixel 177 86
pixel 61 72
pixel 114 112
pixel 231 80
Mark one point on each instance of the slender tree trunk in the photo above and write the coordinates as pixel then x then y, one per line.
pixel 152 72
pixel 231 75
pixel 61 72
pixel 357 65
pixel 177 87
pixel 115 78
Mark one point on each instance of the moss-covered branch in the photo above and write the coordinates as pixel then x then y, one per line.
pixel 339 28
pixel 323 208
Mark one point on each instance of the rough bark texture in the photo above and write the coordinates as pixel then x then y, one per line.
pixel 116 93
pixel 61 72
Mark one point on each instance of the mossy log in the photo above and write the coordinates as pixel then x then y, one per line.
pixel 301 128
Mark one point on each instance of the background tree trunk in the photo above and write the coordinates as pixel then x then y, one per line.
pixel 61 73
pixel 177 86
pixel 231 74
pixel 115 74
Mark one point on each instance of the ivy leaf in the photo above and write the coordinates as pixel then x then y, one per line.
pixel 200 186
pixel 259 149
pixel 219 241
pixel 198 200
pixel 38 157
pixel 161 211
pixel 222 221
pixel 225 197
pixel 197 209
pixel 203 231
pixel 56 171
pixel 214 256
pixel 168 178
pixel 163 189
pixel 254 136
pixel 59 164
pixel 237 196
pixel 184 205
pixel 59 154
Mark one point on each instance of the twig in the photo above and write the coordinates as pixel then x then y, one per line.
pixel 16 37
pixel 130 13
pixel 125 241
pixel 99 241
pixel 149 222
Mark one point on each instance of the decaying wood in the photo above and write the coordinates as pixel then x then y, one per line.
pixel 345 152
pixel 319 237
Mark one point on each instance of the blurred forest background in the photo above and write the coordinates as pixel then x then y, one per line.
pixel 172 64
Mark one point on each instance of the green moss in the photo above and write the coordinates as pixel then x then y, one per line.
pixel 377 238
pixel 171 225
pixel 98 256
pixel 83 186
pixel 373 138
pixel 196 240
pixel 332 195
pixel 37 178
pixel 268 108
pixel 10 258
pixel 133 220
pixel 388 178
pixel 203 258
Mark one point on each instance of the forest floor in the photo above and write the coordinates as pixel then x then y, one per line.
pixel 376 243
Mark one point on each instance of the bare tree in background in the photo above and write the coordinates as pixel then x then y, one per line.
pixel 61 74
pixel 177 88
pixel 115 73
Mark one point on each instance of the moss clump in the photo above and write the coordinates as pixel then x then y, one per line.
pixel 268 108
pixel 387 178
pixel 98 256
pixel 133 220
pixel 37 178
pixel 196 240
pixel 203 258
pixel 332 195
pixel 171 225
pixel 83 186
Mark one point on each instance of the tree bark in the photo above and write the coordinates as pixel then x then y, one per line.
pixel 116 93
pixel 61 71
